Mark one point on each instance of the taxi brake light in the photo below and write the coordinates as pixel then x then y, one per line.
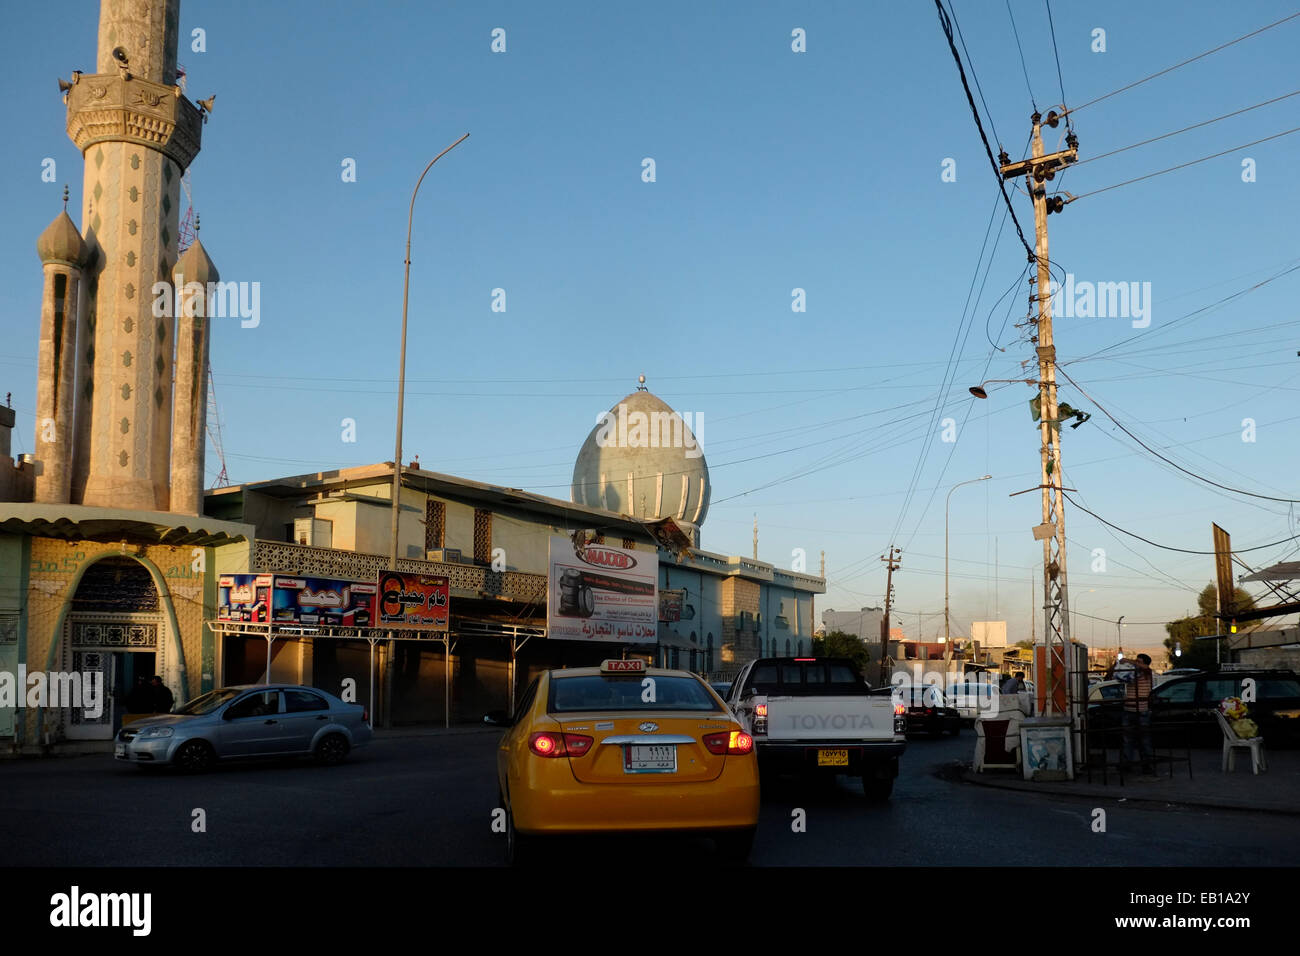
pixel 731 742
pixel 559 745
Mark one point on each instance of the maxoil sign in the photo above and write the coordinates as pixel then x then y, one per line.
pixel 602 593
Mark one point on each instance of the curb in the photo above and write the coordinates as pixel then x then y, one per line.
pixel 982 780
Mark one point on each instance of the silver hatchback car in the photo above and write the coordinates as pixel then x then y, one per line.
pixel 250 720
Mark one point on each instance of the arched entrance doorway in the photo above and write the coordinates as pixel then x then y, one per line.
pixel 115 630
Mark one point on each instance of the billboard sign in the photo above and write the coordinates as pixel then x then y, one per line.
pixel 602 593
pixel 414 601
pixel 323 601
pixel 670 604
pixel 244 597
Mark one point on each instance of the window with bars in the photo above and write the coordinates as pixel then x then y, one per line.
pixel 435 523
pixel 599 539
pixel 629 544
pixel 482 535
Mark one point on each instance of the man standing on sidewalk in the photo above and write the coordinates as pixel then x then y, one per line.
pixel 1137 717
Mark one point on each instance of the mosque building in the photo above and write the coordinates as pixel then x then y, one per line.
pixel 116 565
pixel 104 548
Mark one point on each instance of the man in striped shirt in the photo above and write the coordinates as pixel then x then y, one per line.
pixel 1137 716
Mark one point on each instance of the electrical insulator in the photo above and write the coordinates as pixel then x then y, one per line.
pixel 1053 119
pixel 1055 204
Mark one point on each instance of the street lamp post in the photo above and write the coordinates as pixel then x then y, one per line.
pixel 397 452
pixel 401 373
pixel 947 636
pixel 1119 637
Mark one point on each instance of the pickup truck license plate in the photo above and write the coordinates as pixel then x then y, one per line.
pixel 832 758
pixel 650 758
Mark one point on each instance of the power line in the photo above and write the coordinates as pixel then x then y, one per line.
pixel 997 171
pixel 961 37
pixel 1249 494
pixel 1169 325
pixel 1023 69
pixel 1057 53
pixel 1170 69
pixel 1203 159
pixel 1166 547
pixel 1156 139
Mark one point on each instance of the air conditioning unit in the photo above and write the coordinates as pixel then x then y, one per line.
pixel 444 555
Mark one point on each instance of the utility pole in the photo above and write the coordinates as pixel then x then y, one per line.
pixel 1038 170
pixel 891 562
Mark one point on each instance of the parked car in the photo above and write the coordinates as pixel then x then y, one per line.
pixel 1182 709
pixel 588 751
pixel 249 720
pixel 1174 672
pixel 927 711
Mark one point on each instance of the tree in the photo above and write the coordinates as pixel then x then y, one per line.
pixel 840 644
pixel 1183 633
pixel 1025 644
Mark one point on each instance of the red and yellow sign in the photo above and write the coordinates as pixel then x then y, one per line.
pixel 414 601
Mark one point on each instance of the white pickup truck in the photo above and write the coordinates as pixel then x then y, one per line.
pixel 818 715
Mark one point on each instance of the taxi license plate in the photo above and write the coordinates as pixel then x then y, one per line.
pixel 650 758
pixel 119 750
pixel 832 758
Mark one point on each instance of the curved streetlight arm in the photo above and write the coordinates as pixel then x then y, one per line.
pixel 401 374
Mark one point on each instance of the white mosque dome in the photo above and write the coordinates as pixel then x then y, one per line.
pixel 643 459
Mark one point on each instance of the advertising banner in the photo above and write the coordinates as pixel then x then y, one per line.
pixel 244 597
pixel 602 593
pixel 323 601
pixel 670 604
pixel 285 599
pixel 414 601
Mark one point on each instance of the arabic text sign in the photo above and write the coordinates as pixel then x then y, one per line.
pixel 602 593
pixel 419 601
pixel 244 597
pixel 281 599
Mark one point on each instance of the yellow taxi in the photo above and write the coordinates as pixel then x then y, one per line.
pixel 626 747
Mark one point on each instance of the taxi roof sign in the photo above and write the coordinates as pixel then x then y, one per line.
pixel 622 667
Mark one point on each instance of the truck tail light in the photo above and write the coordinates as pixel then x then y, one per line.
pixel 730 742
pixel 546 744
pixel 899 709
pixel 760 710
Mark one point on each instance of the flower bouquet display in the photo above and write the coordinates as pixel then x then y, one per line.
pixel 1234 708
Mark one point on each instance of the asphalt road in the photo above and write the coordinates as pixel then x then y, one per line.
pixel 428 801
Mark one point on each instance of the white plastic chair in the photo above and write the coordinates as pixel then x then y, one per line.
pixel 1231 743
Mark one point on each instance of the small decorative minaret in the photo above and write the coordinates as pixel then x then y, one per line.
pixel 63 254
pixel 190 402
pixel 137 133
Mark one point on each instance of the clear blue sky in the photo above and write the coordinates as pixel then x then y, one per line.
pixel 775 170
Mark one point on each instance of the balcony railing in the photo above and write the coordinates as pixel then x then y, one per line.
pixel 466 579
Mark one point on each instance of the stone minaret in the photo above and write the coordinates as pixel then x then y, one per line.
pixel 189 417
pixel 137 134
pixel 63 253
